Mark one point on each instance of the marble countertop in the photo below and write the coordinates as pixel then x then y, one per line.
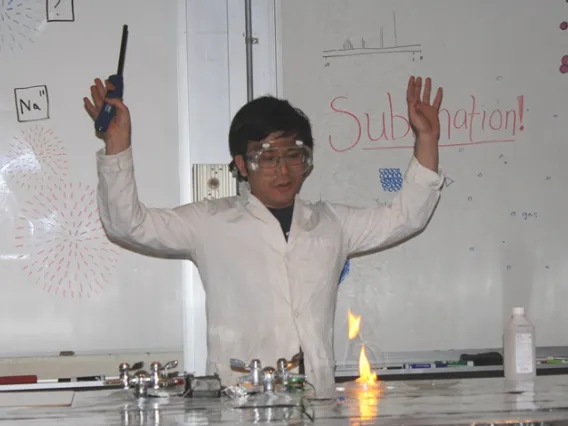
pixel 444 402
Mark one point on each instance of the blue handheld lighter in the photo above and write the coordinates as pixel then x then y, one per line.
pixel 108 111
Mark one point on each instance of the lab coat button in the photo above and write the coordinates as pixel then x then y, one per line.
pixel 296 313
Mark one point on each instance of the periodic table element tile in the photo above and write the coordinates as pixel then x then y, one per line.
pixel 32 103
pixel 60 11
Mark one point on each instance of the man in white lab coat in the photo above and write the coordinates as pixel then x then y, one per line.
pixel 270 262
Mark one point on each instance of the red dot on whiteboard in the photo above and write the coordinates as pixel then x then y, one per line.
pixel 564 26
pixel 522 128
pixel 564 68
pixel 565 60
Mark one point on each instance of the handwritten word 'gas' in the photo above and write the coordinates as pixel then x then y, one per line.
pixel 528 215
pixel 464 126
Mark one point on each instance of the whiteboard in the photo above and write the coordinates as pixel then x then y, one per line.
pixel 499 236
pixel 65 287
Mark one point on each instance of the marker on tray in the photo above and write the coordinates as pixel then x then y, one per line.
pixel 451 364
pixel 440 364
pixel 18 380
pixel 553 361
pixel 108 111
pixel 420 365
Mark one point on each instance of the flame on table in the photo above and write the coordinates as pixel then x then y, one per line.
pixel 368 397
pixel 366 374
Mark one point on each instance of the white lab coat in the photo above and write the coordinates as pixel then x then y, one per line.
pixel 265 297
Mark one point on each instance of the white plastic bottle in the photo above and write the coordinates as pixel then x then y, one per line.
pixel 519 350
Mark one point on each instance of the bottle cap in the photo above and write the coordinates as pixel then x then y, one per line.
pixel 518 311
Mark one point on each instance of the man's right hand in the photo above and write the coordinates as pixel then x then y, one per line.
pixel 117 136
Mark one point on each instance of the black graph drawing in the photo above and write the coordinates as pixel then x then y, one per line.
pixel 361 47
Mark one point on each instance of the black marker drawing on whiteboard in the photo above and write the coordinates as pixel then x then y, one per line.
pixel 32 103
pixel 36 159
pixel 19 22
pixel 529 215
pixel 63 244
pixel 60 10
pixel 526 215
pixel 348 49
pixel 383 203
pixel 448 181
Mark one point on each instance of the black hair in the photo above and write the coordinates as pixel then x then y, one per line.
pixel 261 117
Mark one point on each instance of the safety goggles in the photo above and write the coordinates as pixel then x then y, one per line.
pixel 298 158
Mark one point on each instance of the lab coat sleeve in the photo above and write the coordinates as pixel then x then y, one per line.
pixel 160 232
pixel 372 228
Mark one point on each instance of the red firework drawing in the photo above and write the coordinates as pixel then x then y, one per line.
pixel 36 159
pixel 60 233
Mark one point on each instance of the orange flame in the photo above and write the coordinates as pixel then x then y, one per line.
pixel 366 375
pixel 354 324
pixel 368 397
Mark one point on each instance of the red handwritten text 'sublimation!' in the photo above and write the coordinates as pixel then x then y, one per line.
pixel 385 128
